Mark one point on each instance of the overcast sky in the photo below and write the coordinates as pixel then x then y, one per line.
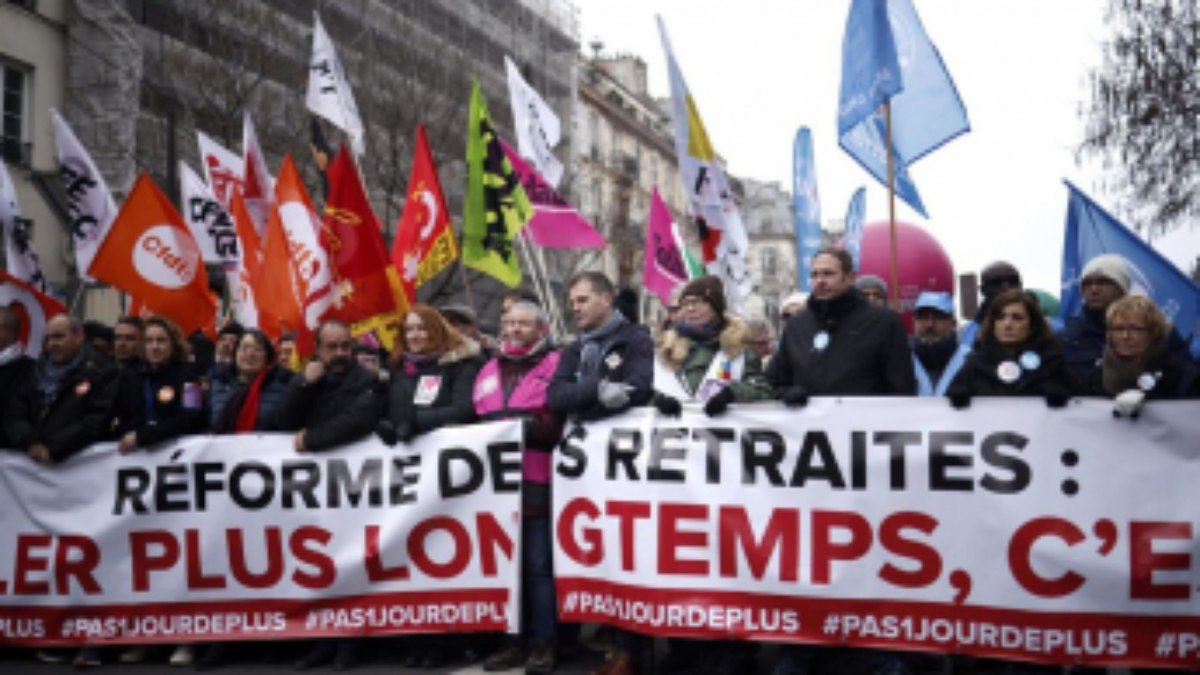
pixel 759 69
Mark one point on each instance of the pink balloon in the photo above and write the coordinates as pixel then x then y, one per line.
pixel 922 263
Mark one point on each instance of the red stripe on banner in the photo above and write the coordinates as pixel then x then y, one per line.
pixel 1043 637
pixel 469 610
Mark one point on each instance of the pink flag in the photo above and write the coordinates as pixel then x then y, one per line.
pixel 664 267
pixel 555 223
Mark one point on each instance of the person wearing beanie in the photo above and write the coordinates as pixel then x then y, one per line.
pixel 873 289
pixel 1105 279
pixel 995 278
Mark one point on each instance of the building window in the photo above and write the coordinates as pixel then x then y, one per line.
pixel 13 95
pixel 769 263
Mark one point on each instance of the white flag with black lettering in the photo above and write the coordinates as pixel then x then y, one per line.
pixel 538 128
pixel 209 221
pixel 20 256
pixel 89 201
pixel 329 92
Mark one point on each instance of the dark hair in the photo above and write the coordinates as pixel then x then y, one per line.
pixel 288 335
pixel 94 330
pixel 131 320
pixel 847 262
pixel 1041 335
pixel 263 341
pixel 180 349
pixel 442 336
pixel 598 281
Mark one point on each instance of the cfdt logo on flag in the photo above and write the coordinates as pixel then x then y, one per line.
pixel 164 258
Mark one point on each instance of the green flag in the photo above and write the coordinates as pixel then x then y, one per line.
pixel 496 205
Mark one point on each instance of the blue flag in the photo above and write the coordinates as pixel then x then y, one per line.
pixel 806 205
pixel 886 55
pixel 855 213
pixel 1092 231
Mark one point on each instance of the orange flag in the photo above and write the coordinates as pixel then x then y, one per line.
pixel 150 254
pixel 249 307
pixel 365 284
pixel 424 241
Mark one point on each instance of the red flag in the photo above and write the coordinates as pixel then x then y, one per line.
pixel 33 306
pixel 364 284
pixel 249 307
pixel 424 241
pixel 150 254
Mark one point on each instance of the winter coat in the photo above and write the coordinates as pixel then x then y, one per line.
pixel 158 405
pixel 334 410
pixel 690 361
pixel 1084 337
pixel 1166 377
pixel 12 375
pixel 435 394
pixel 626 356
pixel 864 352
pixel 1043 374
pixel 79 414
pixel 225 386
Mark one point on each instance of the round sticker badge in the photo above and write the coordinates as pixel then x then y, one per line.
pixel 488 385
pixel 613 361
pixel 1008 372
pixel 166 395
pixel 1146 381
pixel 83 388
pixel 1031 361
pixel 821 341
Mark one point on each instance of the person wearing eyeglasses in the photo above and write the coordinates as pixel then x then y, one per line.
pixel 1105 280
pixel 1137 364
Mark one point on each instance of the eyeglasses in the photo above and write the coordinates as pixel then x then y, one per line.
pixel 1128 330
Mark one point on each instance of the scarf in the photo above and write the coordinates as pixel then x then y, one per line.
pixel 702 334
pixel 593 342
pixel 11 353
pixel 53 374
pixel 413 362
pixel 511 352
pixel 1118 374
pixel 247 417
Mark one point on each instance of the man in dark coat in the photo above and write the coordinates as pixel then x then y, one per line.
pixel 335 401
pixel 842 345
pixel 610 368
pixel 66 403
pixel 15 366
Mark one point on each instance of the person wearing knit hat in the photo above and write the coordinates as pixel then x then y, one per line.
pixel 874 290
pixel 708 289
pixel 1109 268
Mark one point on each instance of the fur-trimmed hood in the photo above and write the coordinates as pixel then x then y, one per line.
pixel 673 348
pixel 468 349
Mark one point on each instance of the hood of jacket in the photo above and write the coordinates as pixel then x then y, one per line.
pixel 468 349
pixel 673 348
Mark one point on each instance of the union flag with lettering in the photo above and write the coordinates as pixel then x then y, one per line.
pixel 150 254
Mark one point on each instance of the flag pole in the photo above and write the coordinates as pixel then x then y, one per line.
pixel 894 287
pixel 539 282
pixel 555 310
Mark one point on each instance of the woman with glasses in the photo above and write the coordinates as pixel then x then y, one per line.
pixel 1015 354
pixel 1137 363
pixel 245 399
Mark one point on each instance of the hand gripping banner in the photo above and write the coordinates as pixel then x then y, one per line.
pixel 241 538
pixel 1006 530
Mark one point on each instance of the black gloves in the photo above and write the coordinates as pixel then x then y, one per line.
pixel 386 431
pixel 667 405
pixel 794 397
pixel 960 401
pixel 1057 398
pixel 719 402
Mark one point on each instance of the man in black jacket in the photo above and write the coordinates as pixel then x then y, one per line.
pixel 66 403
pixel 15 366
pixel 335 401
pixel 610 368
pixel 842 345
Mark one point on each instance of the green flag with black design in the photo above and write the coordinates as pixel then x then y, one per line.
pixel 496 205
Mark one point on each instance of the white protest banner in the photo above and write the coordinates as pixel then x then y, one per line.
pixel 1006 530
pixel 241 538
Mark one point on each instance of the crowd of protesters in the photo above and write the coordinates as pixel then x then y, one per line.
pixel 142 384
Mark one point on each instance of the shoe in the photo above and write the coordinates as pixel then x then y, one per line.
pixel 508 658
pixel 50 655
pixel 133 655
pixel 212 657
pixel 321 654
pixel 183 655
pixel 541 661
pixel 87 657
pixel 618 663
pixel 347 656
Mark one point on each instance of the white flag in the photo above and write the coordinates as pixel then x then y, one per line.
pixel 538 129
pixel 209 221
pixel 710 201
pixel 258 187
pixel 21 258
pixel 329 92
pixel 89 202
pixel 222 169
